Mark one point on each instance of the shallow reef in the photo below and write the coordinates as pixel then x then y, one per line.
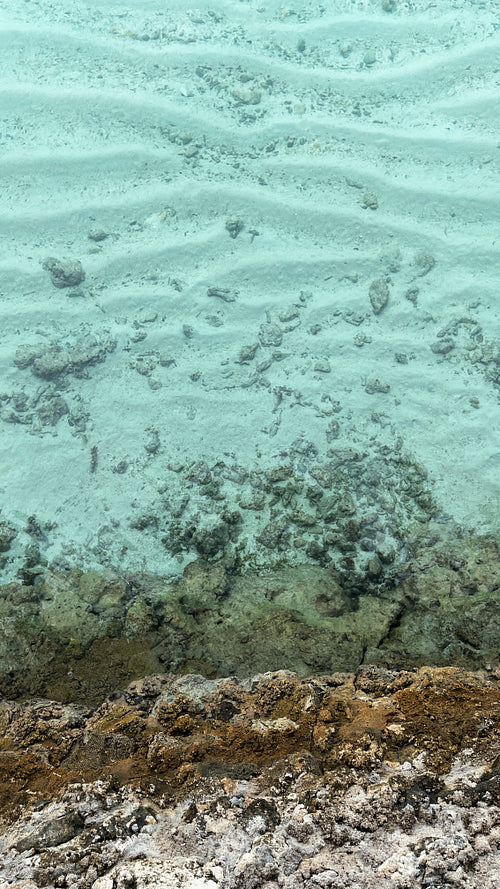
pixel 77 636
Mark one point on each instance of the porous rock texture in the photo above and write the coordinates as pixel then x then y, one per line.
pixel 369 779
pixel 78 636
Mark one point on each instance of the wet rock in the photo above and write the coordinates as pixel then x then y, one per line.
pixel 443 346
pixel 26 355
pixel 51 363
pixel 247 353
pixel 69 631
pixel 235 226
pixel 7 535
pixel 375 385
pixel 211 540
pixel 379 295
pixel 424 263
pixel 44 408
pixel 275 534
pixel 64 274
pixel 370 200
pixel 270 335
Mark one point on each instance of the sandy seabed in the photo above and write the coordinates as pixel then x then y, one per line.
pixel 237 236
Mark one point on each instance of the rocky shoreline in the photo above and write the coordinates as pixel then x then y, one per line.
pixel 371 778
pixel 345 760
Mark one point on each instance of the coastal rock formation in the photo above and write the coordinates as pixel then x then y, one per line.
pixel 77 636
pixel 373 779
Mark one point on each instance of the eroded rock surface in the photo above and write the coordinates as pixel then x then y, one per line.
pixel 368 779
pixel 78 636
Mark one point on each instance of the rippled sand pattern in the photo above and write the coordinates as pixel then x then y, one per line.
pixel 287 222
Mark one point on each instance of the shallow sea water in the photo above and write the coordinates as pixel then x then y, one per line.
pixel 250 361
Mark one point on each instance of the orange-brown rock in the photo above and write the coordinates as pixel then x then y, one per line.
pixel 175 732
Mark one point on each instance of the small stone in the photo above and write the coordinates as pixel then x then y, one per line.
pixel 120 467
pixel 247 353
pixel 247 96
pixel 305 519
pixel 222 292
pixel 280 473
pixel 323 366
pixel 375 385
pixel 289 314
pixel 361 339
pixel 412 295
pixel 379 295
pixel 152 445
pixel 166 360
pixel 64 274
pixel 234 227
pixel 138 336
pixel 270 335
pixel 424 263
pixel 332 430
pixel 443 346
pixel 264 365
pixel 7 535
pixel 374 566
pixel 386 553
pixel 370 201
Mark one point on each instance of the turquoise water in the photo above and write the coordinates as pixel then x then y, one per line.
pixel 249 280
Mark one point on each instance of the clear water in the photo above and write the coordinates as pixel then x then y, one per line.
pixel 249 284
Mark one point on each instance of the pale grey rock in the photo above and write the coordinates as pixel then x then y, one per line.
pixel 374 385
pixel 26 355
pixel 323 366
pixel 270 334
pixel 247 353
pixel 51 363
pixel 379 295
pixel 64 274
pixel 424 263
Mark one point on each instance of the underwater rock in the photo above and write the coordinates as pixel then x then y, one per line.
pixel 270 334
pixel 44 408
pixel 50 362
pixel 70 631
pixel 26 355
pixel 64 274
pixel 7 535
pixel 247 353
pixel 424 263
pixel 379 295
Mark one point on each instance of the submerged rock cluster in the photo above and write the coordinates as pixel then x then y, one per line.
pixel 79 635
